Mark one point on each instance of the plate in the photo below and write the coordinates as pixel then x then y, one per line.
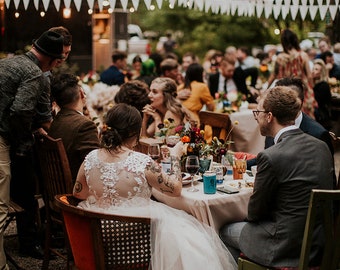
pixel 186 178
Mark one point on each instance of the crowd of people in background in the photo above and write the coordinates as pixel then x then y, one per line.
pixel 163 86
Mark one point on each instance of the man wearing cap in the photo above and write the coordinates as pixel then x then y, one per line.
pixel 24 90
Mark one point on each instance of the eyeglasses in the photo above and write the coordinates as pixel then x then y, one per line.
pixel 257 112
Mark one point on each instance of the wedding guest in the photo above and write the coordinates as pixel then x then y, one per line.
pixel 67 42
pixel 114 75
pixel 194 93
pixel 188 59
pixel 278 206
pixel 19 118
pixel 322 93
pixel 136 67
pixel 333 69
pixel 148 72
pixel 294 62
pixel 134 93
pixel 169 69
pixel 115 178
pixel 164 105
pixel 78 133
pixel 302 121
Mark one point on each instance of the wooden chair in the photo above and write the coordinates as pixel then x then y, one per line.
pixel 56 179
pixel 105 241
pixel 323 201
pixel 219 122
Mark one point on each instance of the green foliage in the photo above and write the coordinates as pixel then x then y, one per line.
pixel 198 32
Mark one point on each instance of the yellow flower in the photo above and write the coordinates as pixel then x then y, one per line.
pixel 202 132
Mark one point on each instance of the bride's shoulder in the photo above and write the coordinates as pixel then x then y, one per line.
pixel 139 156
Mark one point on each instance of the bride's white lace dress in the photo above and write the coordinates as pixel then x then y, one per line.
pixel 179 241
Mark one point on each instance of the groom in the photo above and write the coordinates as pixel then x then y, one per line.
pixel 286 173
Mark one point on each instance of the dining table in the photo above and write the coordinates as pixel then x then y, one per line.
pixel 214 210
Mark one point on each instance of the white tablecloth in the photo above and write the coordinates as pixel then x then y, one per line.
pixel 212 209
pixel 246 134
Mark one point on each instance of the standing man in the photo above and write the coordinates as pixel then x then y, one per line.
pixel 114 75
pixel 286 173
pixel 61 30
pixel 23 88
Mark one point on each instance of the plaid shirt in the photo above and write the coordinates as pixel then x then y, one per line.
pixel 24 100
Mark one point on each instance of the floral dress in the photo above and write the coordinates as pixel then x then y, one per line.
pixel 293 65
pixel 178 240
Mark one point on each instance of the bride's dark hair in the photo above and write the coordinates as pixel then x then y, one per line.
pixel 122 122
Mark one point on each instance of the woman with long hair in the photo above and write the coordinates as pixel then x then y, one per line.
pixel 293 62
pixel 322 93
pixel 116 179
pixel 164 105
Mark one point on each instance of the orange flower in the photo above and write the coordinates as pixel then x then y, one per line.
pixel 185 139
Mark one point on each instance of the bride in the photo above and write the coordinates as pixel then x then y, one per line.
pixel 115 179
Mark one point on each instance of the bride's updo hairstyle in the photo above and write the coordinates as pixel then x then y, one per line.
pixel 122 123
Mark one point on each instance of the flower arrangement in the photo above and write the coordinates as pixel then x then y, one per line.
pixel 165 127
pixel 230 100
pixel 90 78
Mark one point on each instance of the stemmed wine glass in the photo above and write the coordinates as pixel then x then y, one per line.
pixel 192 166
pixel 154 151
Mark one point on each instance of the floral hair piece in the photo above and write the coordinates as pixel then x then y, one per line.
pixel 105 128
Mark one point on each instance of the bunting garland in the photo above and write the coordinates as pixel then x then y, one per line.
pixel 259 8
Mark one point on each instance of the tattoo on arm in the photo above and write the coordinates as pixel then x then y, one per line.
pixel 78 187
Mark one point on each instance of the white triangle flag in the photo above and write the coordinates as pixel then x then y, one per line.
pixel 295 2
pixel 327 2
pixel 172 2
pixel 268 10
pixel 135 4
pixel 207 5
pixel 303 2
pixel 225 5
pixel 7 2
pixel 181 2
pixel 284 11
pixel 100 5
pixel 112 4
pixel 199 4
pixel 233 8
pixel 57 4
pixel 251 8
pixel 189 4
pixel 294 11
pixel 332 10
pixel 90 3
pixel 320 2
pixel 322 11
pixel 312 11
pixel 124 4
pixel 159 3
pixel 67 3
pixel 311 2
pixel 148 4
pixel 77 3
pixel 259 8
pixel 36 4
pixel 276 11
pixel 240 8
pixel 278 2
pixel 303 11
pixel 16 4
pixel 26 3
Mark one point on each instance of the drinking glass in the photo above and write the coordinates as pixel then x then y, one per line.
pixel 154 151
pixel 192 166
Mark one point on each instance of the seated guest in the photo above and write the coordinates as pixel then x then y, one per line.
pixel 194 93
pixel 134 93
pixel 116 178
pixel 222 81
pixel 78 132
pixel 114 75
pixel 322 93
pixel 286 173
pixel 169 69
pixel 303 121
pixel 333 69
pixel 164 105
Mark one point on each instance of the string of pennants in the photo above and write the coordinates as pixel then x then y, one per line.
pixel 248 8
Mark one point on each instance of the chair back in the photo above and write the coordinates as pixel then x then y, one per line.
pixel 54 168
pixel 219 122
pixel 324 202
pixel 105 241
